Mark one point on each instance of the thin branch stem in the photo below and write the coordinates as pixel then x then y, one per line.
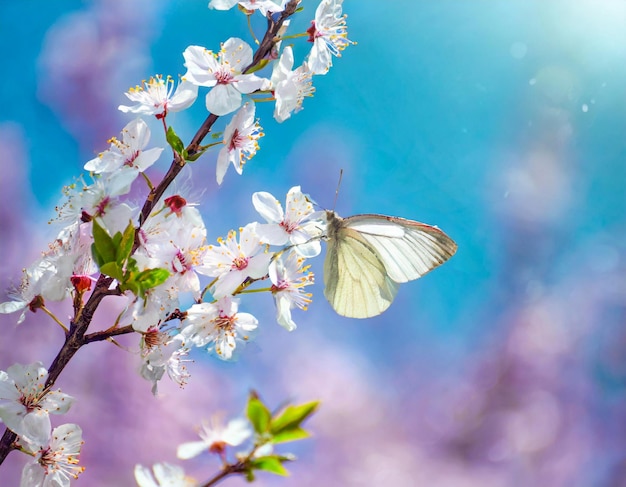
pixel 250 291
pixel 52 315
pixel 292 36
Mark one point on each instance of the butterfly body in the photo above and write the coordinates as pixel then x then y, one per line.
pixel 369 255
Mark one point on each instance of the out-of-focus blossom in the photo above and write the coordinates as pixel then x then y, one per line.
pixel 165 475
pixel 215 437
pixel 161 353
pixel 26 296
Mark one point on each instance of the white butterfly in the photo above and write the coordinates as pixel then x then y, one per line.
pixel 369 255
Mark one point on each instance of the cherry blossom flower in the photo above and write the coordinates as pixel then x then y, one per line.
pixel 181 256
pixel 263 6
pixel 101 199
pixel 233 262
pixel 298 225
pixel 127 152
pixel 24 404
pixel 165 475
pixel 329 35
pixel 154 97
pixel 215 437
pixel 163 226
pixel 27 295
pixel 161 353
pixel 125 159
pixel 240 141
pixel 218 325
pixel 223 73
pixel 290 87
pixel 49 278
pixel 142 314
pixel 288 280
pixel 56 458
pixel 69 255
pixel 174 239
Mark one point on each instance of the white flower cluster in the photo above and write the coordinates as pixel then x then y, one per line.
pixel 157 254
pixel 175 239
pixel 25 408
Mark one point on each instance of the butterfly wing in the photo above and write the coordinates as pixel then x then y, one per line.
pixel 356 283
pixel 407 248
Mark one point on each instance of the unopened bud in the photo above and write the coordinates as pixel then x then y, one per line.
pixel 175 203
pixel 81 283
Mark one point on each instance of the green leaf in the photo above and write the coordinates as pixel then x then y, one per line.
pixel 133 287
pixel 103 243
pixel 195 156
pixel 131 266
pixel 290 434
pixel 151 278
pixel 259 66
pixel 270 463
pixel 174 141
pixel 126 244
pixel 98 259
pixel 258 414
pixel 113 270
pixel 292 416
pixel 117 239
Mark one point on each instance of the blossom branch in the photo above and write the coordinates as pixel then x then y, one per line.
pixel 231 469
pixel 74 339
pixel 152 261
pixel 265 47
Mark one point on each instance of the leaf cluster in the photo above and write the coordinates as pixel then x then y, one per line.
pixel 273 428
pixel 113 257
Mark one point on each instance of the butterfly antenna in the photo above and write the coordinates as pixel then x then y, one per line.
pixel 337 190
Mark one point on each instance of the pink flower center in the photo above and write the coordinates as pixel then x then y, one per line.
pixel 101 208
pixel 153 337
pixel 180 263
pixel 224 322
pixel 288 226
pixel 240 263
pixel 223 77
pixel 236 141
pixel 218 447
pixel 130 161
pixel 29 401
pixel 313 32
pixel 280 286
pixel 48 459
